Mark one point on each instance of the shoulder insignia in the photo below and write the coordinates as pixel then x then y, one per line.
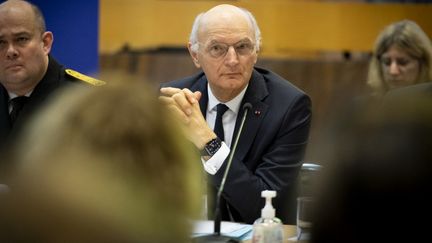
pixel 85 78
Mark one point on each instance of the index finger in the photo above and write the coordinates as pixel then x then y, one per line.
pixel 169 91
pixel 191 97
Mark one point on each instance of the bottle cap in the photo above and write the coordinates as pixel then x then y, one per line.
pixel 268 212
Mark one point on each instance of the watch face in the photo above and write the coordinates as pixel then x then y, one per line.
pixel 211 147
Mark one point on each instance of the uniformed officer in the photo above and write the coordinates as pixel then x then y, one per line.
pixel 29 75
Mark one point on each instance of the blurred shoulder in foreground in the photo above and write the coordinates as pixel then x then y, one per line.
pixel 107 167
pixel 377 185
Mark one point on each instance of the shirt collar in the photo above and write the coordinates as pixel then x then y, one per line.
pixel 13 95
pixel 233 105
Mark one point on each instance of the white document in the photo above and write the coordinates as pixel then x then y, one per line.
pixel 206 227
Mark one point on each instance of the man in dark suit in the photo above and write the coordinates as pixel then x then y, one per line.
pixel 28 74
pixel 224 43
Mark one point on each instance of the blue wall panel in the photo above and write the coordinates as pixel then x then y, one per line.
pixel 75 25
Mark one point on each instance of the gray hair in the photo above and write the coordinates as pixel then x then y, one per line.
pixel 193 38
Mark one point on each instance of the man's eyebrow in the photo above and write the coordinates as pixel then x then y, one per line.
pixel 246 39
pixel 22 33
pixel 213 41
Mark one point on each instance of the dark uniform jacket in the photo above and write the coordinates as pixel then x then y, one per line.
pixel 55 78
pixel 270 150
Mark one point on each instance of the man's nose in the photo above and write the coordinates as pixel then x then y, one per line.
pixel 11 52
pixel 231 57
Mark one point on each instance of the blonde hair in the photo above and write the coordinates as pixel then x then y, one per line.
pixel 407 35
pixel 109 166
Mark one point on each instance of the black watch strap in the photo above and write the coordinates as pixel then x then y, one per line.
pixel 211 147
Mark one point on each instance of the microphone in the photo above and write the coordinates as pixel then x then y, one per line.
pixel 216 236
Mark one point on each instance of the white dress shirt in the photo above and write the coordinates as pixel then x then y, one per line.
pixel 228 120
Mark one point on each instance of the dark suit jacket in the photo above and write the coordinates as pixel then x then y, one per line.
pixel 271 147
pixel 54 78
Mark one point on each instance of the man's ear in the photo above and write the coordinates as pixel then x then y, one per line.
pixel 47 40
pixel 194 56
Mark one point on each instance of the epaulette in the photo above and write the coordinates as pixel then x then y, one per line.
pixel 85 78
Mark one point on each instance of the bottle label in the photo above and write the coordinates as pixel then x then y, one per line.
pixel 267 234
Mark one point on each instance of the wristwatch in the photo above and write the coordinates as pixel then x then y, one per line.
pixel 211 147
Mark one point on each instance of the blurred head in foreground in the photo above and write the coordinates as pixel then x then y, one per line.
pixel 102 165
pixel 377 183
pixel 402 56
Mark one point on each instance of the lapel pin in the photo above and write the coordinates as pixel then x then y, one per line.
pixel 257 112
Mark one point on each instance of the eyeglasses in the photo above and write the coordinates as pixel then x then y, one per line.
pixel 218 50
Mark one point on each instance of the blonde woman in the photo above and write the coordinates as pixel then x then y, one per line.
pixel 402 56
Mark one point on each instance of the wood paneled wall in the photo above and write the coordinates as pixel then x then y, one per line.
pixel 289 27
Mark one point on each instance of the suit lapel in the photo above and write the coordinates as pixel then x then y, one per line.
pixel 201 85
pixel 255 93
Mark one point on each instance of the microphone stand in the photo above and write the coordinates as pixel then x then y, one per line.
pixel 216 236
